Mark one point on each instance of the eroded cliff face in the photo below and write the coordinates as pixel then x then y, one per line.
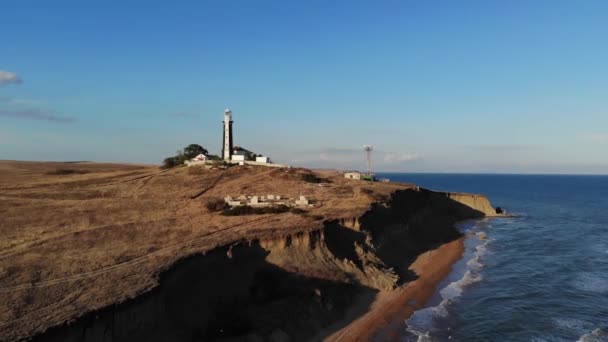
pixel 284 287
pixel 477 202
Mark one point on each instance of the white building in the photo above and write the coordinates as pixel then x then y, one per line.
pixel 303 201
pixel 353 175
pixel 200 157
pixel 262 160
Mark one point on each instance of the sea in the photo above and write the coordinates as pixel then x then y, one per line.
pixel 541 275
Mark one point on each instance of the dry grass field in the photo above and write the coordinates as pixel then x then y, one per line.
pixel 76 237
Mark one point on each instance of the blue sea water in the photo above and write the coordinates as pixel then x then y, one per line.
pixel 539 276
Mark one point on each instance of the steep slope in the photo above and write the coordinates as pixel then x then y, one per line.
pixel 284 286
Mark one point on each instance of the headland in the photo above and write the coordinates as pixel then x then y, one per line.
pixel 125 252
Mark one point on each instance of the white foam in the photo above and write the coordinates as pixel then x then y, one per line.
pixel 590 282
pixel 572 325
pixel 597 335
pixel 475 263
pixel 539 339
pixel 425 322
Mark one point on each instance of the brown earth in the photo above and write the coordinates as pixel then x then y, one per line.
pixel 384 319
pixel 79 237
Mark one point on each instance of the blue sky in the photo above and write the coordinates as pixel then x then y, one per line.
pixel 435 86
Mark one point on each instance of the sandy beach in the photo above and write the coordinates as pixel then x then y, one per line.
pixel 399 304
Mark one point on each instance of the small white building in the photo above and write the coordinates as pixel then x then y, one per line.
pixel 238 157
pixel 262 160
pixel 200 157
pixel 353 175
pixel 302 201
pixel 232 202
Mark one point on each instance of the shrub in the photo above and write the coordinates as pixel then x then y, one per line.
pixel 180 157
pixel 194 150
pixel 216 204
pixel 312 178
pixel 237 211
pixel 248 210
pixel 169 163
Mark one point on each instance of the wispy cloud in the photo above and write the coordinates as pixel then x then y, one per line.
pixel 19 101
pixel 600 138
pixel 7 77
pixel 35 114
pixel 500 148
pixel 24 102
pixel 345 158
pixel 398 158
pixel 182 115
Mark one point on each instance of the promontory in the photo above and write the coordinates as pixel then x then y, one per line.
pixel 111 252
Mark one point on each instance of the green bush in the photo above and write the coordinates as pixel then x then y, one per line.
pixel 194 150
pixel 180 157
pixel 169 163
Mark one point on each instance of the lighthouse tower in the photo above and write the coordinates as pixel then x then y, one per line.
pixel 227 144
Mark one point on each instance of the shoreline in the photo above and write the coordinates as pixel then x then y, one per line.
pixel 390 308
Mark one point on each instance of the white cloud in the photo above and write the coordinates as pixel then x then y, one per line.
pixel 24 102
pixel 344 158
pixel 501 148
pixel 395 158
pixel 598 138
pixel 7 77
pixel 35 114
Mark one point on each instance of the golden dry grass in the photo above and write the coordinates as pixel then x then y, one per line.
pixel 78 241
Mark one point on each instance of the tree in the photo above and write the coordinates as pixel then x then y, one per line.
pixel 169 163
pixel 194 150
pixel 180 157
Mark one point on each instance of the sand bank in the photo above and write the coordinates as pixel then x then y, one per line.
pixel 399 304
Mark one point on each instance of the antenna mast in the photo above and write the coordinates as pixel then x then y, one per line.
pixel 368 151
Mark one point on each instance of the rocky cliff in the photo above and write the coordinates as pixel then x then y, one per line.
pixel 284 287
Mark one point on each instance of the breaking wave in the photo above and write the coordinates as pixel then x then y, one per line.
pixel 597 335
pixel 428 324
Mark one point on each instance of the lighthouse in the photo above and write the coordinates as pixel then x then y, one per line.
pixel 227 144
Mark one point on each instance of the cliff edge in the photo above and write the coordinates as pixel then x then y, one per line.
pixel 131 252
